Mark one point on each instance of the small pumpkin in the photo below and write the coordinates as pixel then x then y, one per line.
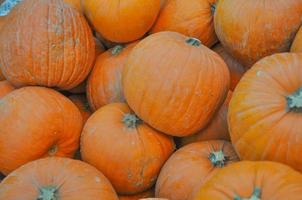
pixel 82 104
pixel 115 132
pixel 191 166
pixel 36 122
pixel 248 37
pixel 5 88
pixel 194 18
pixel 134 19
pixel 146 194
pixel 50 44
pixel 297 44
pixel 265 111
pixel 56 178
pixel 249 180
pixel 104 84
pixel 217 129
pixel 169 93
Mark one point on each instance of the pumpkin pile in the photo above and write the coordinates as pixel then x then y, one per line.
pixel 150 99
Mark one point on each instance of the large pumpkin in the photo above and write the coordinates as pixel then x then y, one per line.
pixel 191 166
pixel 174 83
pixel 248 180
pixel 217 129
pixel 5 88
pixel 132 153
pixel 146 194
pixel 49 44
pixel 236 69
pixel 104 83
pixel 297 44
pixel 56 179
pixel 251 30
pixel 36 122
pixel 194 18
pixel 121 21
pixel 265 111
pixel 82 104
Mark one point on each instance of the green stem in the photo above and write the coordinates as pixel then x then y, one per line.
pixel 48 193
pixel 294 101
pixel 213 7
pixel 131 120
pixel 218 159
pixel 255 196
pixel 117 49
pixel 193 42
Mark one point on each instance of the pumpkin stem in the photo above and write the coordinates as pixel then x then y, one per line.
pixel 48 193
pixel 193 41
pixel 294 101
pixel 131 120
pixel 53 150
pixel 218 159
pixel 255 196
pixel 213 7
pixel 117 49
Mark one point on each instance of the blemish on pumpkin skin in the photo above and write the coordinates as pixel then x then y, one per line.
pixel 97 179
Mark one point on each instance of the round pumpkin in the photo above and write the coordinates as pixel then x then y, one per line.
pixel 265 111
pixel 82 104
pixel 76 4
pixel 248 180
pixel 174 83
pixel 132 153
pixel 217 129
pixel 297 44
pixel 146 194
pixel 49 44
pixel 104 84
pixel 56 178
pixel 191 166
pixel 251 30
pixel 194 18
pixel 236 69
pixel 36 122
pixel 121 21
pixel 5 88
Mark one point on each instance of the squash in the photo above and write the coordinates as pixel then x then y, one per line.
pixel 265 111
pixel 36 122
pixel 169 93
pixel 82 104
pixel 49 44
pixel 121 21
pixel 146 194
pixel 249 37
pixel 249 180
pixel 56 178
pixel 194 18
pixel 135 151
pixel 5 88
pixel 104 84
pixel 191 166
pixel 297 44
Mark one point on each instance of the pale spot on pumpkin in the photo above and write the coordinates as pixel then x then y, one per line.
pixel 259 73
pixel 97 179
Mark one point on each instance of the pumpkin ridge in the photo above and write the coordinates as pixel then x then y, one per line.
pixel 255 196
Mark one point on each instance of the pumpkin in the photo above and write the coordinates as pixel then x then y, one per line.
pixel 169 93
pixel 236 69
pixel 191 166
pixel 217 129
pixel 194 18
pixel 146 194
pixel 249 180
pixel 104 84
pixel 121 21
pixel 5 88
pixel 56 178
pixel 49 44
pixel 79 89
pixel 297 44
pixel 265 111
pixel 75 3
pixel 82 104
pixel 135 151
pixel 36 122
pixel 249 37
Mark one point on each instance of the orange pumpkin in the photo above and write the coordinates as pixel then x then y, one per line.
pixel 194 18
pixel 297 44
pixel 146 194
pixel 50 44
pixel 217 129
pixel 82 104
pixel 36 122
pixel 104 83
pixel 132 153
pixel 56 178
pixel 5 88
pixel 265 111
pixel 121 21
pixel 76 4
pixel 191 166
pixel 249 37
pixel 236 69
pixel 253 181
pixel 169 93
